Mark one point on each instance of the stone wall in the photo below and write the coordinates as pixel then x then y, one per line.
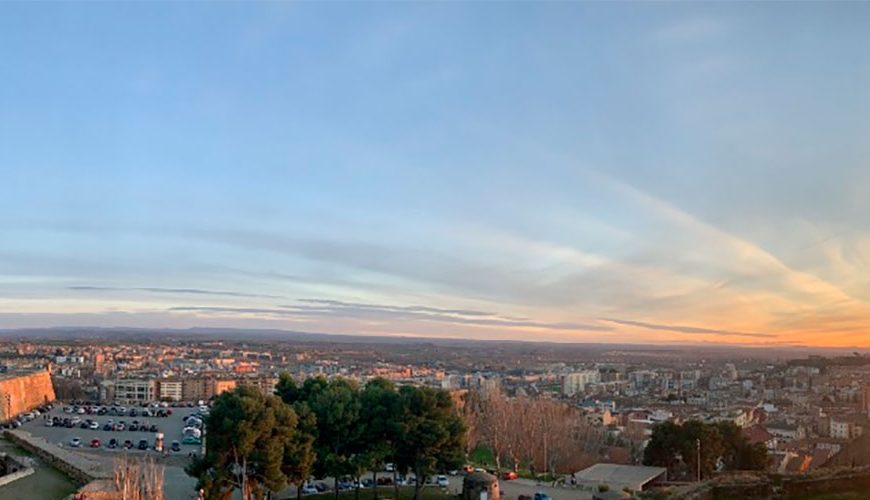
pixel 23 392
pixel 79 467
pixel 13 469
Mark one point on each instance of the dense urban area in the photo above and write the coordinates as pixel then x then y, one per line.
pixel 545 420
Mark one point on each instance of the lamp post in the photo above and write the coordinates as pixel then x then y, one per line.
pixel 698 443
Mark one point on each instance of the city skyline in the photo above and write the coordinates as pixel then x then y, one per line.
pixel 577 172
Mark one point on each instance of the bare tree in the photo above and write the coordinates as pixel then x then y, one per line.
pixel 546 434
pixel 138 479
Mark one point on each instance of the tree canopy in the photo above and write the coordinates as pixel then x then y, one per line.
pixel 721 444
pixel 335 428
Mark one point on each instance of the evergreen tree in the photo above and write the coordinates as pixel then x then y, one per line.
pixel 430 434
pixel 248 437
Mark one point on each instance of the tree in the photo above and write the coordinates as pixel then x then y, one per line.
pixel 492 417
pixel 249 437
pixel 739 453
pixel 379 404
pixel 287 389
pixel 299 458
pixel 724 441
pixel 336 407
pixel 430 434
pixel 138 479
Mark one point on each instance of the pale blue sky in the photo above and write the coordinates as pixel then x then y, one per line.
pixel 558 171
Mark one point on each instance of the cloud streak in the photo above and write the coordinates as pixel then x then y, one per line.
pixel 333 309
pixel 172 291
pixel 690 330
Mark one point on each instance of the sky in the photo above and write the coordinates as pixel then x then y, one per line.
pixel 560 171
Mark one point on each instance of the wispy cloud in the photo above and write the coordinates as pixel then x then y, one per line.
pixel 691 330
pixel 332 309
pixel 172 291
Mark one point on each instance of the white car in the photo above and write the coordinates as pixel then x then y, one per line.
pixel 442 481
pixel 49 423
pixel 75 442
pixel 94 425
pixel 309 489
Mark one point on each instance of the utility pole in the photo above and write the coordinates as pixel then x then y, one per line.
pixel 698 443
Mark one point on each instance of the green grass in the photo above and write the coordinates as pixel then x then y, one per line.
pixel 482 456
pixel 385 493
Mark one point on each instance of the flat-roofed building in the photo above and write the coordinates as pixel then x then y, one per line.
pixel 170 390
pixel 133 391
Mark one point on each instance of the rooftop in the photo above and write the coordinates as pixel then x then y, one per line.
pixel 619 474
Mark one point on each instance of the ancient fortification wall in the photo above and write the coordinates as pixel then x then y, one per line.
pixel 23 392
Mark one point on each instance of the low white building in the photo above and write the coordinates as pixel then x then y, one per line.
pixel 132 391
pixel 619 477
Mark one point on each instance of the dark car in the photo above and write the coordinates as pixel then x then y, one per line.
pixel 133 427
pixel 128 444
pixel 133 412
pixel 321 487
pixel 176 446
pixel 153 428
pixel 108 427
pixel 143 444
pixel 113 443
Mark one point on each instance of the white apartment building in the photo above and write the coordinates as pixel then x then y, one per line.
pixel 133 391
pixel 170 390
pixel 574 383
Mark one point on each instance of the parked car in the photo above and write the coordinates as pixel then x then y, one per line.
pixel 143 444
pixel 49 423
pixel 153 428
pixel 309 489
pixel 321 487
pixel 176 446
pixel 94 425
pixel 113 443
pixel 542 496
pixel 442 481
pixel 75 442
pixel 128 444
pixel 509 475
pixel 95 443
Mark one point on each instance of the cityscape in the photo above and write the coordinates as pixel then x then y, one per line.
pixel 434 250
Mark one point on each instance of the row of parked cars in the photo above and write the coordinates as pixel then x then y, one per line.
pixel 113 443
pixel 27 416
pixel 346 484
pixel 110 425
pixel 121 411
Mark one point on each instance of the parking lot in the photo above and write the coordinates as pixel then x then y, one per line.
pixel 171 427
